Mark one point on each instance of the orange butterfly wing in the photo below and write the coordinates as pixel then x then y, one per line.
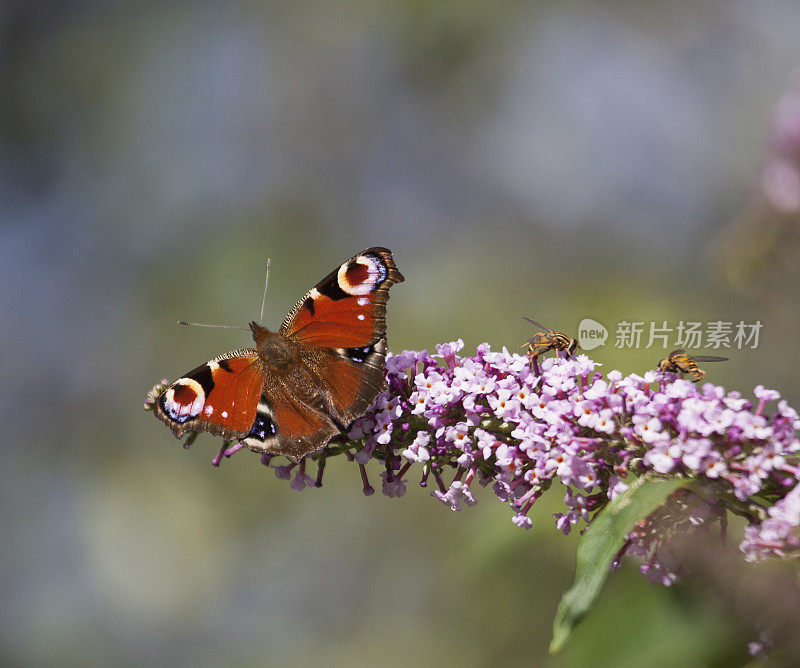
pixel 339 327
pixel 347 308
pixel 219 396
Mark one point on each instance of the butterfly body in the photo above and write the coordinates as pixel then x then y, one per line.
pixel 304 383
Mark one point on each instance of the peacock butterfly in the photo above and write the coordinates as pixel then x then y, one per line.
pixel 304 383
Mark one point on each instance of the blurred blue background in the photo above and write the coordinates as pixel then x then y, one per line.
pixel 558 160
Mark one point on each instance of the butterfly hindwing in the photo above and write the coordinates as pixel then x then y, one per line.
pixel 349 378
pixel 285 424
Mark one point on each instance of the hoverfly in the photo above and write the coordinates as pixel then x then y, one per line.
pixel 546 340
pixel 680 363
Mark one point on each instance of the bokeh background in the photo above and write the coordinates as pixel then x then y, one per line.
pixel 560 160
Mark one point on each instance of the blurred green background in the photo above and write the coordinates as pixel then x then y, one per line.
pixel 560 160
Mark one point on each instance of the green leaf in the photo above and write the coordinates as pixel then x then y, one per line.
pixel 598 546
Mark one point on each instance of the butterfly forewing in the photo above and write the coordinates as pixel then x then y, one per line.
pixel 347 308
pixel 219 396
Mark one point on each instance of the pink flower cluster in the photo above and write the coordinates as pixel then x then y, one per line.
pixel 777 534
pixel 492 419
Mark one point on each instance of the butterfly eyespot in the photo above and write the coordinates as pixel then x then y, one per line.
pixel 361 275
pixel 184 394
pixel 263 428
pixel 184 400
pixel 357 355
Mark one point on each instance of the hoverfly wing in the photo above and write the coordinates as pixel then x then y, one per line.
pixel 536 324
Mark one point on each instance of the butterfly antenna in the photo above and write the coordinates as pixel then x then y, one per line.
pixel 264 298
pixel 201 324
